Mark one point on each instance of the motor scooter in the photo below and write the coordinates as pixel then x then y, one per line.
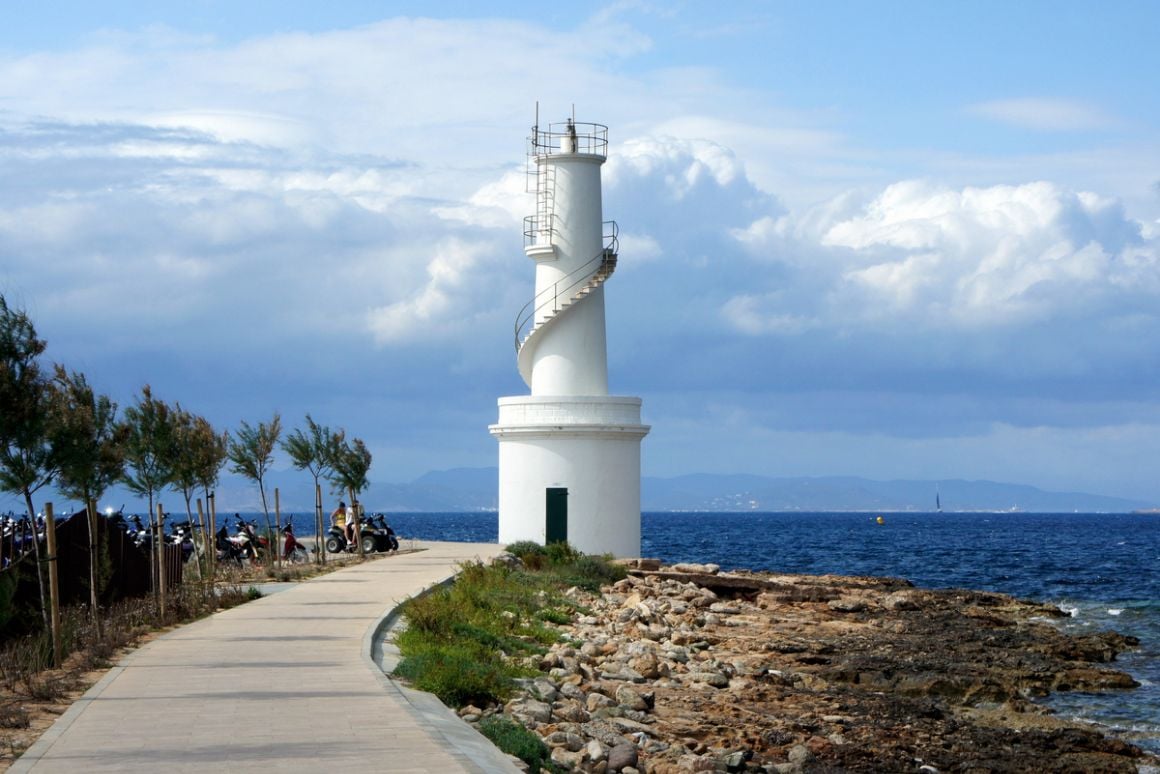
pixel 291 548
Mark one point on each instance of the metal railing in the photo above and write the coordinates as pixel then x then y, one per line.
pixel 568 286
pixel 568 137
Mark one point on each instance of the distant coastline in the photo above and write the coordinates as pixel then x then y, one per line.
pixel 474 490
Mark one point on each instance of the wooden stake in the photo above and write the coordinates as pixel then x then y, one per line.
pixel 354 508
pixel 53 582
pixel 162 570
pixel 212 497
pixel 94 553
pixel 321 546
pixel 207 546
pixel 276 538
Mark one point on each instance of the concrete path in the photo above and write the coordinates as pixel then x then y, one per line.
pixel 285 683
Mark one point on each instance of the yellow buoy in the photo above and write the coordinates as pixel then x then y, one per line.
pixel 880 520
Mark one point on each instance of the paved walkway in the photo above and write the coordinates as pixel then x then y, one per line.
pixel 285 683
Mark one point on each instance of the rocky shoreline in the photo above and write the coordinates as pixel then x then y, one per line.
pixel 686 669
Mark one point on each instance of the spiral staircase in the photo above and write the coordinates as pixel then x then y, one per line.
pixel 551 304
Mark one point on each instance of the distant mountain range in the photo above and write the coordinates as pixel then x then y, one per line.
pixel 475 489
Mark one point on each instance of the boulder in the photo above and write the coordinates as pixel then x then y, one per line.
pixel 622 756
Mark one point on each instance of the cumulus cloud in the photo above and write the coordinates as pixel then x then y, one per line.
pixel 968 258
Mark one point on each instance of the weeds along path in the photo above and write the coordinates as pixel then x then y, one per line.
pixel 283 683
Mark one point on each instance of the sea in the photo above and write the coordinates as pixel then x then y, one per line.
pixel 1102 569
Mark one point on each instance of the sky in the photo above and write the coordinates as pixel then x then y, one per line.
pixel 891 240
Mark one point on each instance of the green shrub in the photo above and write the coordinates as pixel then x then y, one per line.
pixel 561 554
pixel 522 548
pixel 516 740
pixel 590 572
pixel 458 675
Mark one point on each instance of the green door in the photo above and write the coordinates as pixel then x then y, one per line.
pixel 556 507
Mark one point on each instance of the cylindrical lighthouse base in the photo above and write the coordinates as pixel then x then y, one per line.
pixel 589 446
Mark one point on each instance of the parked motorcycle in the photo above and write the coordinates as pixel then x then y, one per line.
pixel 336 539
pixel 182 535
pixel 227 549
pixel 246 537
pixel 291 548
pixel 385 539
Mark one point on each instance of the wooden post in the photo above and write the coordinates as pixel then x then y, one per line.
pixel 94 554
pixel 53 582
pixel 319 544
pixel 276 538
pixel 159 539
pixel 203 562
pixel 211 506
pixel 354 508
pixel 208 543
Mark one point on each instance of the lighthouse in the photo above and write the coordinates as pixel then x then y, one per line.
pixel 569 453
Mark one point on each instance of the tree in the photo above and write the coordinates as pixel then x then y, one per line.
pixel 201 452
pixel 350 464
pixel 252 452
pixel 92 453
pixel 314 450
pixel 209 455
pixel 28 460
pixel 150 447
pixel 92 441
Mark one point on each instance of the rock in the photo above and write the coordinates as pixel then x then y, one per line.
pixel 570 690
pixel 715 679
pixel 622 756
pixel 629 726
pixel 570 761
pixel 530 711
pixel 595 751
pixel 846 605
pixel 901 600
pixel 598 700
pixel 545 690
pixel 696 569
pixel 800 755
pixel 629 698
pixel 735 761
pixel 570 711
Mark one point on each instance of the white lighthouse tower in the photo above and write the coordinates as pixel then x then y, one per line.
pixel 569 453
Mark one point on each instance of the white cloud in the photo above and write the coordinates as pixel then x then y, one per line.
pixel 443 305
pixel 971 257
pixel 1045 114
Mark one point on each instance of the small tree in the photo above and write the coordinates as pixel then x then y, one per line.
pixel 314 450
pixel 350 464
pixel 92 454
pixel 209 453
pixel 252 452
pixel 28 460
pixel 198 444
pixel 150 448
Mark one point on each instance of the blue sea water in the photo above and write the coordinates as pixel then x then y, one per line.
pixel 1101 568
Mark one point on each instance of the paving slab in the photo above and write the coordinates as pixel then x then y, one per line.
pixel 286 683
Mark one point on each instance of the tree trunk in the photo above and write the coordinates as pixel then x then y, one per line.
pixel 159 544
pixel 357 525
pixel 277 539
pixel 94 552
pixel 36 553
pixel 319 545
pixel 53 582
pixel 266 511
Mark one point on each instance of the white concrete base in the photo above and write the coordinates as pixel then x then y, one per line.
pixel 587 444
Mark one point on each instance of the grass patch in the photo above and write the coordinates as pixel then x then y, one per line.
pixel 516 740
pixel 468 642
